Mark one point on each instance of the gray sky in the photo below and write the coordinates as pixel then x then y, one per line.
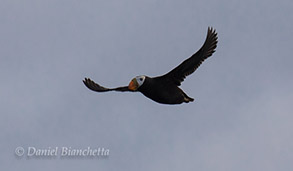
pixel 241 118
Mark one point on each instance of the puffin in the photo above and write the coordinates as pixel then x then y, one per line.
pixel 165 89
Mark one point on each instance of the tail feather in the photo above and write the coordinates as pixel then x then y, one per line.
pixel 188 99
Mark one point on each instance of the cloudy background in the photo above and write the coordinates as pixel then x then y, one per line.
pixel 242 115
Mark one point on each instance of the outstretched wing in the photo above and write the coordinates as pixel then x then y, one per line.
pixel 96 87
pixel 187 67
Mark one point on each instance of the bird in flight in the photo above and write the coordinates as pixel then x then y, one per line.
pixel 165 89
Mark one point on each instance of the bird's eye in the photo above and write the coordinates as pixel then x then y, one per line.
pixel 140 79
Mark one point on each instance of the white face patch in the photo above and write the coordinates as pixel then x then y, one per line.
pixel 140 80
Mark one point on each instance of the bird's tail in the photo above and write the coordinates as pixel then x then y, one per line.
pixel 187 99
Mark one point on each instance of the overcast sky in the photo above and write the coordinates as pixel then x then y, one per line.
pixel 241 118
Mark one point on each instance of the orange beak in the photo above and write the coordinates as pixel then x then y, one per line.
pixel 133 85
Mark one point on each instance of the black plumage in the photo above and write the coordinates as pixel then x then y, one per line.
pixel 164 89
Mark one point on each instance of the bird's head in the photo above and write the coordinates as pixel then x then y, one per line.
pixel 136 82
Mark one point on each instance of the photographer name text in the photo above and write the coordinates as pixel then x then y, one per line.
pixel 62 152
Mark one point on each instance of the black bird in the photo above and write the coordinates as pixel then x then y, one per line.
pixel 164 89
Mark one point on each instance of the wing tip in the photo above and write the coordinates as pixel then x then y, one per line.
pixel 212 37
pixel 93 86
pixel 212 30
pixel 87 82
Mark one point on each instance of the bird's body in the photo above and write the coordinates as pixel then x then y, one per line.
pixel 164 89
